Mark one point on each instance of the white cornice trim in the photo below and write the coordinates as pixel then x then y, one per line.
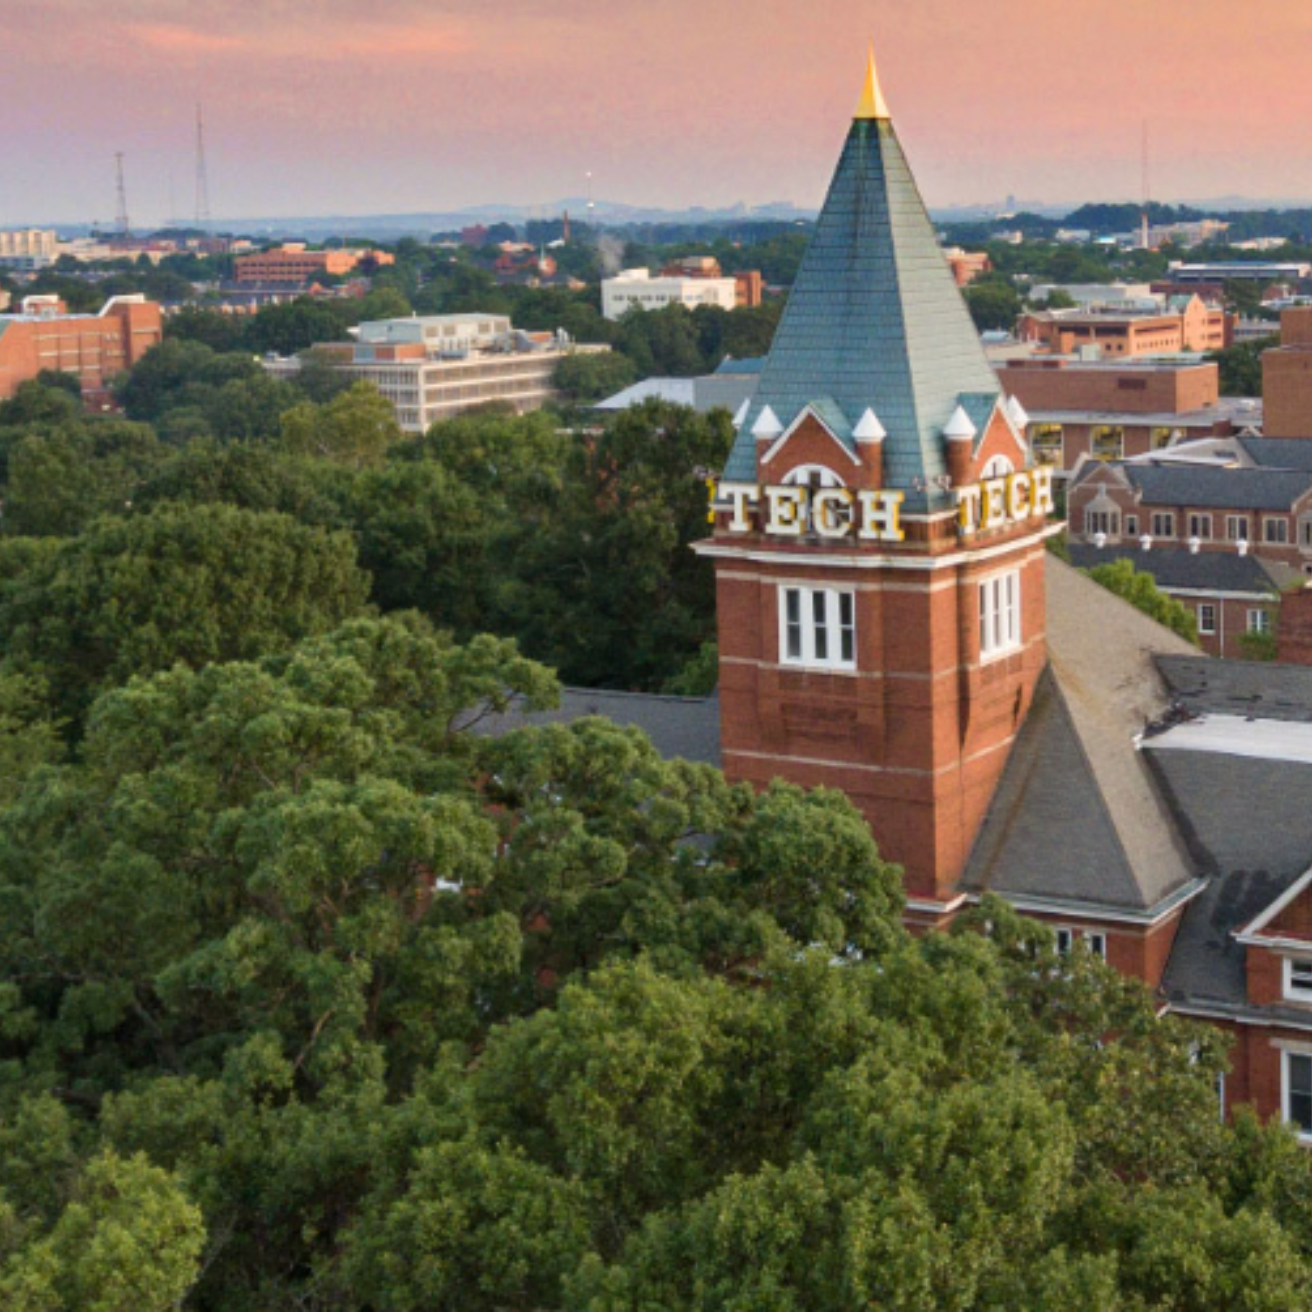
pixel 723 551
pixel 1091 911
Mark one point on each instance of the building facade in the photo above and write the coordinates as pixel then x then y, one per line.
pixel 1187 324
pixel 28 248
pixel 92 347
pixel 292 262
pixel 636 289
pixel 1109 410
pixel 438 366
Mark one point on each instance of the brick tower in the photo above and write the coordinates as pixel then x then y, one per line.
pixel 879 532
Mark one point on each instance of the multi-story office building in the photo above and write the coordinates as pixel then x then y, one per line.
pixel 292 262
pixel 93 347
pixel 1109 410
pixel 1187 324
pixel 28 248
pixel 637 289
pixel 437 366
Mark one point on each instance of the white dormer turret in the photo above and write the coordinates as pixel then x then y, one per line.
pixel 868 428
pixel 960 428
pixel 767 424
pixel 1017 413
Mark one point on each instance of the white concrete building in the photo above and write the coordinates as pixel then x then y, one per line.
pixel 28 248
pixel 437 366
pixel 636 288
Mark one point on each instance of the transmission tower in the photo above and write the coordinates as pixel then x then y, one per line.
pixel 121 224
pixel 202 181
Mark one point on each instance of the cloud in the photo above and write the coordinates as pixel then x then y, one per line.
pixel 185 41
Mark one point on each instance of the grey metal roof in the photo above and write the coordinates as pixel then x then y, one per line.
pixel 874 319
pixel 703 394
pixel 683 727
pixel 753 364
pixel 1199 485
pixel 1279 452
pixel 1209 571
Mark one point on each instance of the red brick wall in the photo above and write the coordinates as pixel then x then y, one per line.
pixel 1287 392
pixel 1140 390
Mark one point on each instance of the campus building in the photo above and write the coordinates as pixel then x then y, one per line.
pixel 636 289
pixel 93 347
pixel 28 249
pixel 434 367
pixel 1186 324
pixel 891 624
pixel 1111 410
pixel 293 263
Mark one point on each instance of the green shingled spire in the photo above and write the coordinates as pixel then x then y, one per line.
pixel 875 321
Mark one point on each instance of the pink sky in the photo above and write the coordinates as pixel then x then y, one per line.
pixel 333 106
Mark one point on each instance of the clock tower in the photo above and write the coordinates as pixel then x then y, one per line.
pixel 879 536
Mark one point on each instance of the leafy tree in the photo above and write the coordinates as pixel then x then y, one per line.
pixel 1140 589
pixel 1241 366
pixel 993 304
pixel 355 428
pixel 187 584
pixel 586 377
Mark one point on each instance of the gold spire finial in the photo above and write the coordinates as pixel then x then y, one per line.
pixel 872 104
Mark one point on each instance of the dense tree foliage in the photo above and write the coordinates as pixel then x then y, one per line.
pixel 1140 589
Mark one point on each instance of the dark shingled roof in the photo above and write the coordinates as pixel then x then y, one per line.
pixel 1076 818
pixel 685 727
pixel 1279 452
pixel 1171 567
pixel 1198 485
pixel 874 320
pixel 1261 688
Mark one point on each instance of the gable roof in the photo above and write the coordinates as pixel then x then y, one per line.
pixel 875 320
pixel 1199 485
pixel 1077 818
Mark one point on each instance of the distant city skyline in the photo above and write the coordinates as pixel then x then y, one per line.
pixel 426 105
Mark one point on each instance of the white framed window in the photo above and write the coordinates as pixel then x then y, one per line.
pixel 1296 1091
pixel 998 467
pixel 1200 526
pixel 999 614
pixel 1275 530
pixel 1065 940
pixel 1163 524
pixel 1207 618
pixel 1298 979
pixel 1102 521
pixel 1236 528
pixel 1259 621
pixel 813 476
pixel 1097 944
pixel 1132 526
pixel 817 628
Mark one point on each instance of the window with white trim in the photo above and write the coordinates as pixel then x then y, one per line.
pixel 1275 530
pixel 1132 526
pixel 817 628
pixel 1207 617
pixel 1236 528
pixel 1259 621
pixel 813 476
pixel 1298 979
pixel 1097 944
pixel 1163 524
pixel 1200 526
pixel 998 467
pixel 1065 939
pixel 1102 521
pixel 999 614
pixel 1296 1091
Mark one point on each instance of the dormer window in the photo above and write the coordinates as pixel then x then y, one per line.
pixel 812 476
pixel 1298 979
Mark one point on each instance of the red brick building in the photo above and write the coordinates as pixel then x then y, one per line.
pixel 93 347
pixel 1187 325
pixel 292 262
pixel 1112 410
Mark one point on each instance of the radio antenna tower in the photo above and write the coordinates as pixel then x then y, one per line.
pixel 121 224
pixel 202 181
